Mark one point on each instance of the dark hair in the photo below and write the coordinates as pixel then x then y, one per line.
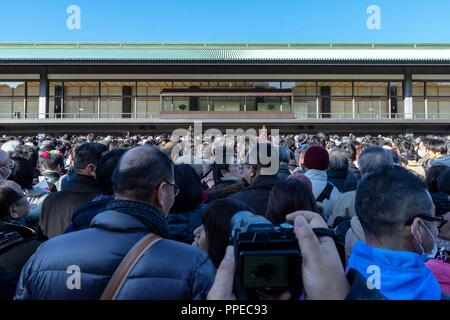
pixel 432 176
pixel 105 169
pixel 221 163
pixel 8 197
pixel 386 200
pixel 350 149
pixel 26 152
pixel 286 197
pixel 395 156
pixel 52 161
pixel 190 195
pixel 436 145
pixel 23 173
pixel 88 153
pixel 284 154
pixel 217 222
pixel 142 175
pixel 443 182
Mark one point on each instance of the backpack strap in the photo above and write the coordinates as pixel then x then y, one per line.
pixel 123 270
pixel 326 193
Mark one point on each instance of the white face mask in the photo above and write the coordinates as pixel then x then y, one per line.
pixel 434 251
pixel 422 153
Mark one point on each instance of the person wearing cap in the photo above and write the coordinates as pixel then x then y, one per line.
pixel 17 242
pixel 316 163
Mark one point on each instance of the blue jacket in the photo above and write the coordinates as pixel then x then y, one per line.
pixel 182 225
pixel 169 270
pixel 82 218
pixel 402 275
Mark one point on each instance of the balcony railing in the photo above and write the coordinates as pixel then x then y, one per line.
pixel 18 116
pixel 72 116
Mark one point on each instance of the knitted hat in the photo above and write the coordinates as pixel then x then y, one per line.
pixel 316 157
pixel 302 178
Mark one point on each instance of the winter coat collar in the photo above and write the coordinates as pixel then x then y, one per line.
pixel 125 215
pixel 12 234
pixel 314 174
pixel 83 184
pixel 340 174
pixel 263 182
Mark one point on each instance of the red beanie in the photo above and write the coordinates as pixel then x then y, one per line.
pixel 316 157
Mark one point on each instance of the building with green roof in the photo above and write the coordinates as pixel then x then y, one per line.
pixel 159 86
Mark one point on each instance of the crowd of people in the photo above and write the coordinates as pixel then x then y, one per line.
pixel 86 201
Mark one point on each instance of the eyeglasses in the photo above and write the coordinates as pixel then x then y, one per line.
pixel 441 220
pixel 176 189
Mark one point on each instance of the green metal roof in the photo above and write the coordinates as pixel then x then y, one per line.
pixel 179 52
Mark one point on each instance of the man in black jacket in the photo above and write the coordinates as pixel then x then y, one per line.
pixel 169 270
pixel 261 173
pixel 81 219
pixel 17 242
pixel 58 208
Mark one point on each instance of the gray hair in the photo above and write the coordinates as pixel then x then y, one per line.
pixel 373 159
pixel 11 146
pixel 338 159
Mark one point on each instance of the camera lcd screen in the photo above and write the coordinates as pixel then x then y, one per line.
pixel 266 271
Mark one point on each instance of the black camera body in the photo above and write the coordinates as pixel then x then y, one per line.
pixel 267 258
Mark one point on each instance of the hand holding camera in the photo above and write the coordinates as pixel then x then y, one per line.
pixel 322 271
pixel 261 263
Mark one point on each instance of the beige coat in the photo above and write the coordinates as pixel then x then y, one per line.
pixel 343 207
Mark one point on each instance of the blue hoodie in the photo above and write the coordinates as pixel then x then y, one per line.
pixel 403 275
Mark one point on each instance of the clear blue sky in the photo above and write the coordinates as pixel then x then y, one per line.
pixel 226 21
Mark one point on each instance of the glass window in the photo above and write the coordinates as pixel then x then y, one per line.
pixel 12 89
pixel 33 88
pixel 338 89
pixel 371 89
pixel 115 89
pixel 418 89
pixel 80 88
pixel 305 89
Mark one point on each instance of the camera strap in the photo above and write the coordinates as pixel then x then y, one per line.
pixel 340 246
pixel 323 232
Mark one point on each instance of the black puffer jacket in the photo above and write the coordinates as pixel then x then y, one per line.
pixel 169 270
pixel 17 245
pixel 182 225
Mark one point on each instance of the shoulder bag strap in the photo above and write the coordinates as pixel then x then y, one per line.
pixel 123 270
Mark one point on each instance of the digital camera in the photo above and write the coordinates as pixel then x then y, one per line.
pixel 267 258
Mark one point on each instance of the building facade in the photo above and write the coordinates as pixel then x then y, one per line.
pixel 103 86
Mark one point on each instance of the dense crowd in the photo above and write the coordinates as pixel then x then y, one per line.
pixel 86 201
